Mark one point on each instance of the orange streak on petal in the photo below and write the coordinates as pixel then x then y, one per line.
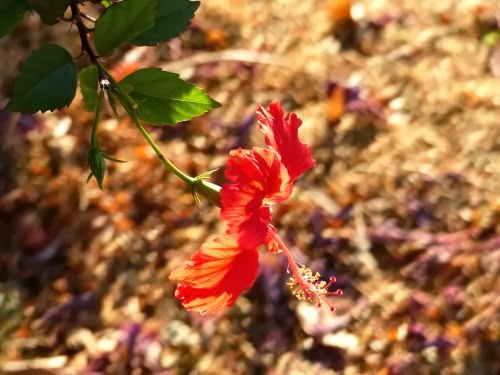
pixel 216 275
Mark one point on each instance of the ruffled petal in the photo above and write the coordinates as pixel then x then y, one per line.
pixel 260 180
pixel 244 214
pixel 281 134
pixel 216 275
pixel 262 169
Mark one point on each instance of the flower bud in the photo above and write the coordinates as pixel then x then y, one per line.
pixel 97 165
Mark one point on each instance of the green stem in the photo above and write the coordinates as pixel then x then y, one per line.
pixel 167 163
pixel 198 185
pixel 96 157
pixel 94 143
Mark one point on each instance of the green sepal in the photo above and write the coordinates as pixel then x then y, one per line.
pixel 206 175
pixel 205 188
pixel 113 159
pixel 97 162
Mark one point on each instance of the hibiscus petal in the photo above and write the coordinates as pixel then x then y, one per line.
pixel 281 134
pixel 243 212
pixel 261 168
pixel 260 180
pixel 204 305
pixel 242 167
pixel 216 275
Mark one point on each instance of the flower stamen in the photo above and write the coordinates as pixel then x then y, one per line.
pixel 305 284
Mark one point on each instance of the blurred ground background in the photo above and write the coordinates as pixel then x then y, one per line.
pixel 401 106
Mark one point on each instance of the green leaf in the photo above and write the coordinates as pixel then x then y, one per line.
pixel 163 98
pixel 122 22
pixel 89 78
pixel 171 18
pixel 50 10
pixel 47 81
pixel 11 12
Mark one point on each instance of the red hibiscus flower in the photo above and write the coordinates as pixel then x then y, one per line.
pixel 263 177
pixel 258 179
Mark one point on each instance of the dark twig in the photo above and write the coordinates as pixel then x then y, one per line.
pixel 83 31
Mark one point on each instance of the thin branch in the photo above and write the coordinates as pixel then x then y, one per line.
pixel 83 31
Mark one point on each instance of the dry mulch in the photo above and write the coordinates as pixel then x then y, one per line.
pixel 401 105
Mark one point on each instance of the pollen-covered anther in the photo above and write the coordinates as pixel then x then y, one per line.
pixel 308 286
